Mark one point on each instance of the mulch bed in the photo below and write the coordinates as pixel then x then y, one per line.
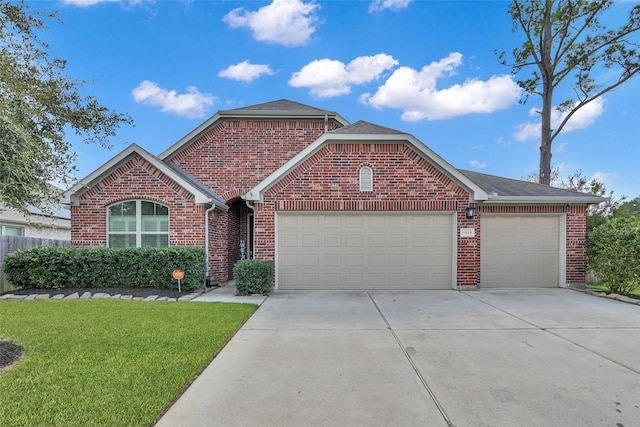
pixel 135 292
pixel 9 353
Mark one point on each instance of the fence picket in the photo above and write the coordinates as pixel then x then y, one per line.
pixel 10 244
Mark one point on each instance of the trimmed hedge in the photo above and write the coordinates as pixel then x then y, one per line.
pixel 62 267
pixel 253 276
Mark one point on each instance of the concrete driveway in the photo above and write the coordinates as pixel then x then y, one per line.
pixel 544 357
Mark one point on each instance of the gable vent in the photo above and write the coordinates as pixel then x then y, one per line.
pixel 366 179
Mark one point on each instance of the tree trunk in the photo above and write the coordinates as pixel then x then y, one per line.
pixel 547 69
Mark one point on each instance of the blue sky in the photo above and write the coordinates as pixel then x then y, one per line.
pixel 427 68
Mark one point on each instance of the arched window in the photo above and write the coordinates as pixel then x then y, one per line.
pixel 366 179
pixel 138 223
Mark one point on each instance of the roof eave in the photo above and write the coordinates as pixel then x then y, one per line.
pixel 71 195
pixel 552 200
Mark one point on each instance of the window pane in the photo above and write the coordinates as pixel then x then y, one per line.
pixel 149 224
pixel 155 240
pixel 9 230
pixel 147 208
pixel 162 210
pixel 122 217
pixel 129 208
pixel 122 240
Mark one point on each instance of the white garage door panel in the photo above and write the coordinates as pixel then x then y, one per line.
pixel 520 251
pixel 365 251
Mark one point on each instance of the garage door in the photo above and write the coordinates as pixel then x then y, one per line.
pixel 519 250
pixel 364 251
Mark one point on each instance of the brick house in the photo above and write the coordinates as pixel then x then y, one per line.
pixel 335 205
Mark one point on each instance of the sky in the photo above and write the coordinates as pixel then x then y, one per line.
pixel 427 68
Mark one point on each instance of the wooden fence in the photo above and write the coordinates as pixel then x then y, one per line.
pixel 10 244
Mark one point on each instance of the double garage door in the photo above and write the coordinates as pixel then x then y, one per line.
pixel 370 250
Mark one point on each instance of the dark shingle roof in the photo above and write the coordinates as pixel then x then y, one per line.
pixel 279 107
pixel 365 128
pixel 505 188
pixel 193 181
pixel 54 211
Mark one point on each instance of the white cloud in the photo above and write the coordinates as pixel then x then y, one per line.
pixel 583 118
pixel 378 5
pixel 417 94
pixel 286 22
pixel 606 178
pixel 560 147
pixel 327 78
pixel 192 104
pixel 245 71
pixel 477 164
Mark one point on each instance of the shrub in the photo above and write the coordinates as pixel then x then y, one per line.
pixel 253 276
pixel 63 267
pixel 613 252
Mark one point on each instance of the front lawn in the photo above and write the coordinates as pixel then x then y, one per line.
pixel 107 362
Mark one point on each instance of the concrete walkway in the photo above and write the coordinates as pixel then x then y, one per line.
pixel 516 358
pixel 227 293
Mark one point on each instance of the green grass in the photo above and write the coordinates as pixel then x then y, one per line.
pixel 107 362
pixel 605 288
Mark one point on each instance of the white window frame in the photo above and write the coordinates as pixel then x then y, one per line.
pixel 139 232
pixel 366 179
pixel 3 228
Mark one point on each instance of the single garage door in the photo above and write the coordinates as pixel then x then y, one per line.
pixel 520 250
pixel 364 250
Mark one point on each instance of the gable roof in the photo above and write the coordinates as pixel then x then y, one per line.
pixel 275 108
pixel 507 190
pixel 279 109
pixel 365 128
pixel 367 132
pixel 202 196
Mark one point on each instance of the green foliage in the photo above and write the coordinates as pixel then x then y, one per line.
pixel 253 276
pixel 38 102
pixel 107 362
pixel 62 267
pixel 630 208
pixel 613 252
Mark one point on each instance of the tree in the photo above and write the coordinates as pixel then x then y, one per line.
pixel 596 214
pixel 38 102
pixel 629 208
pixel 564 40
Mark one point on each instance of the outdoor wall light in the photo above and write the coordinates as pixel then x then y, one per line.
pixel 470 212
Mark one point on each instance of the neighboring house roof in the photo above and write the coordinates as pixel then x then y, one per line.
pixel 182 179
pixel 55 211
pixel 367 132
pixel 280 109
pixel 506 190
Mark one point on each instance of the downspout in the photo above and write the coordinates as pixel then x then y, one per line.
pixel 207 282
pixel 326 123
pixel 253 246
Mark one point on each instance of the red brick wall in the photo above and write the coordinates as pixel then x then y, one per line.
pixel 235 156
pixel 576 226
pixel 137 179
pixel 403 181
